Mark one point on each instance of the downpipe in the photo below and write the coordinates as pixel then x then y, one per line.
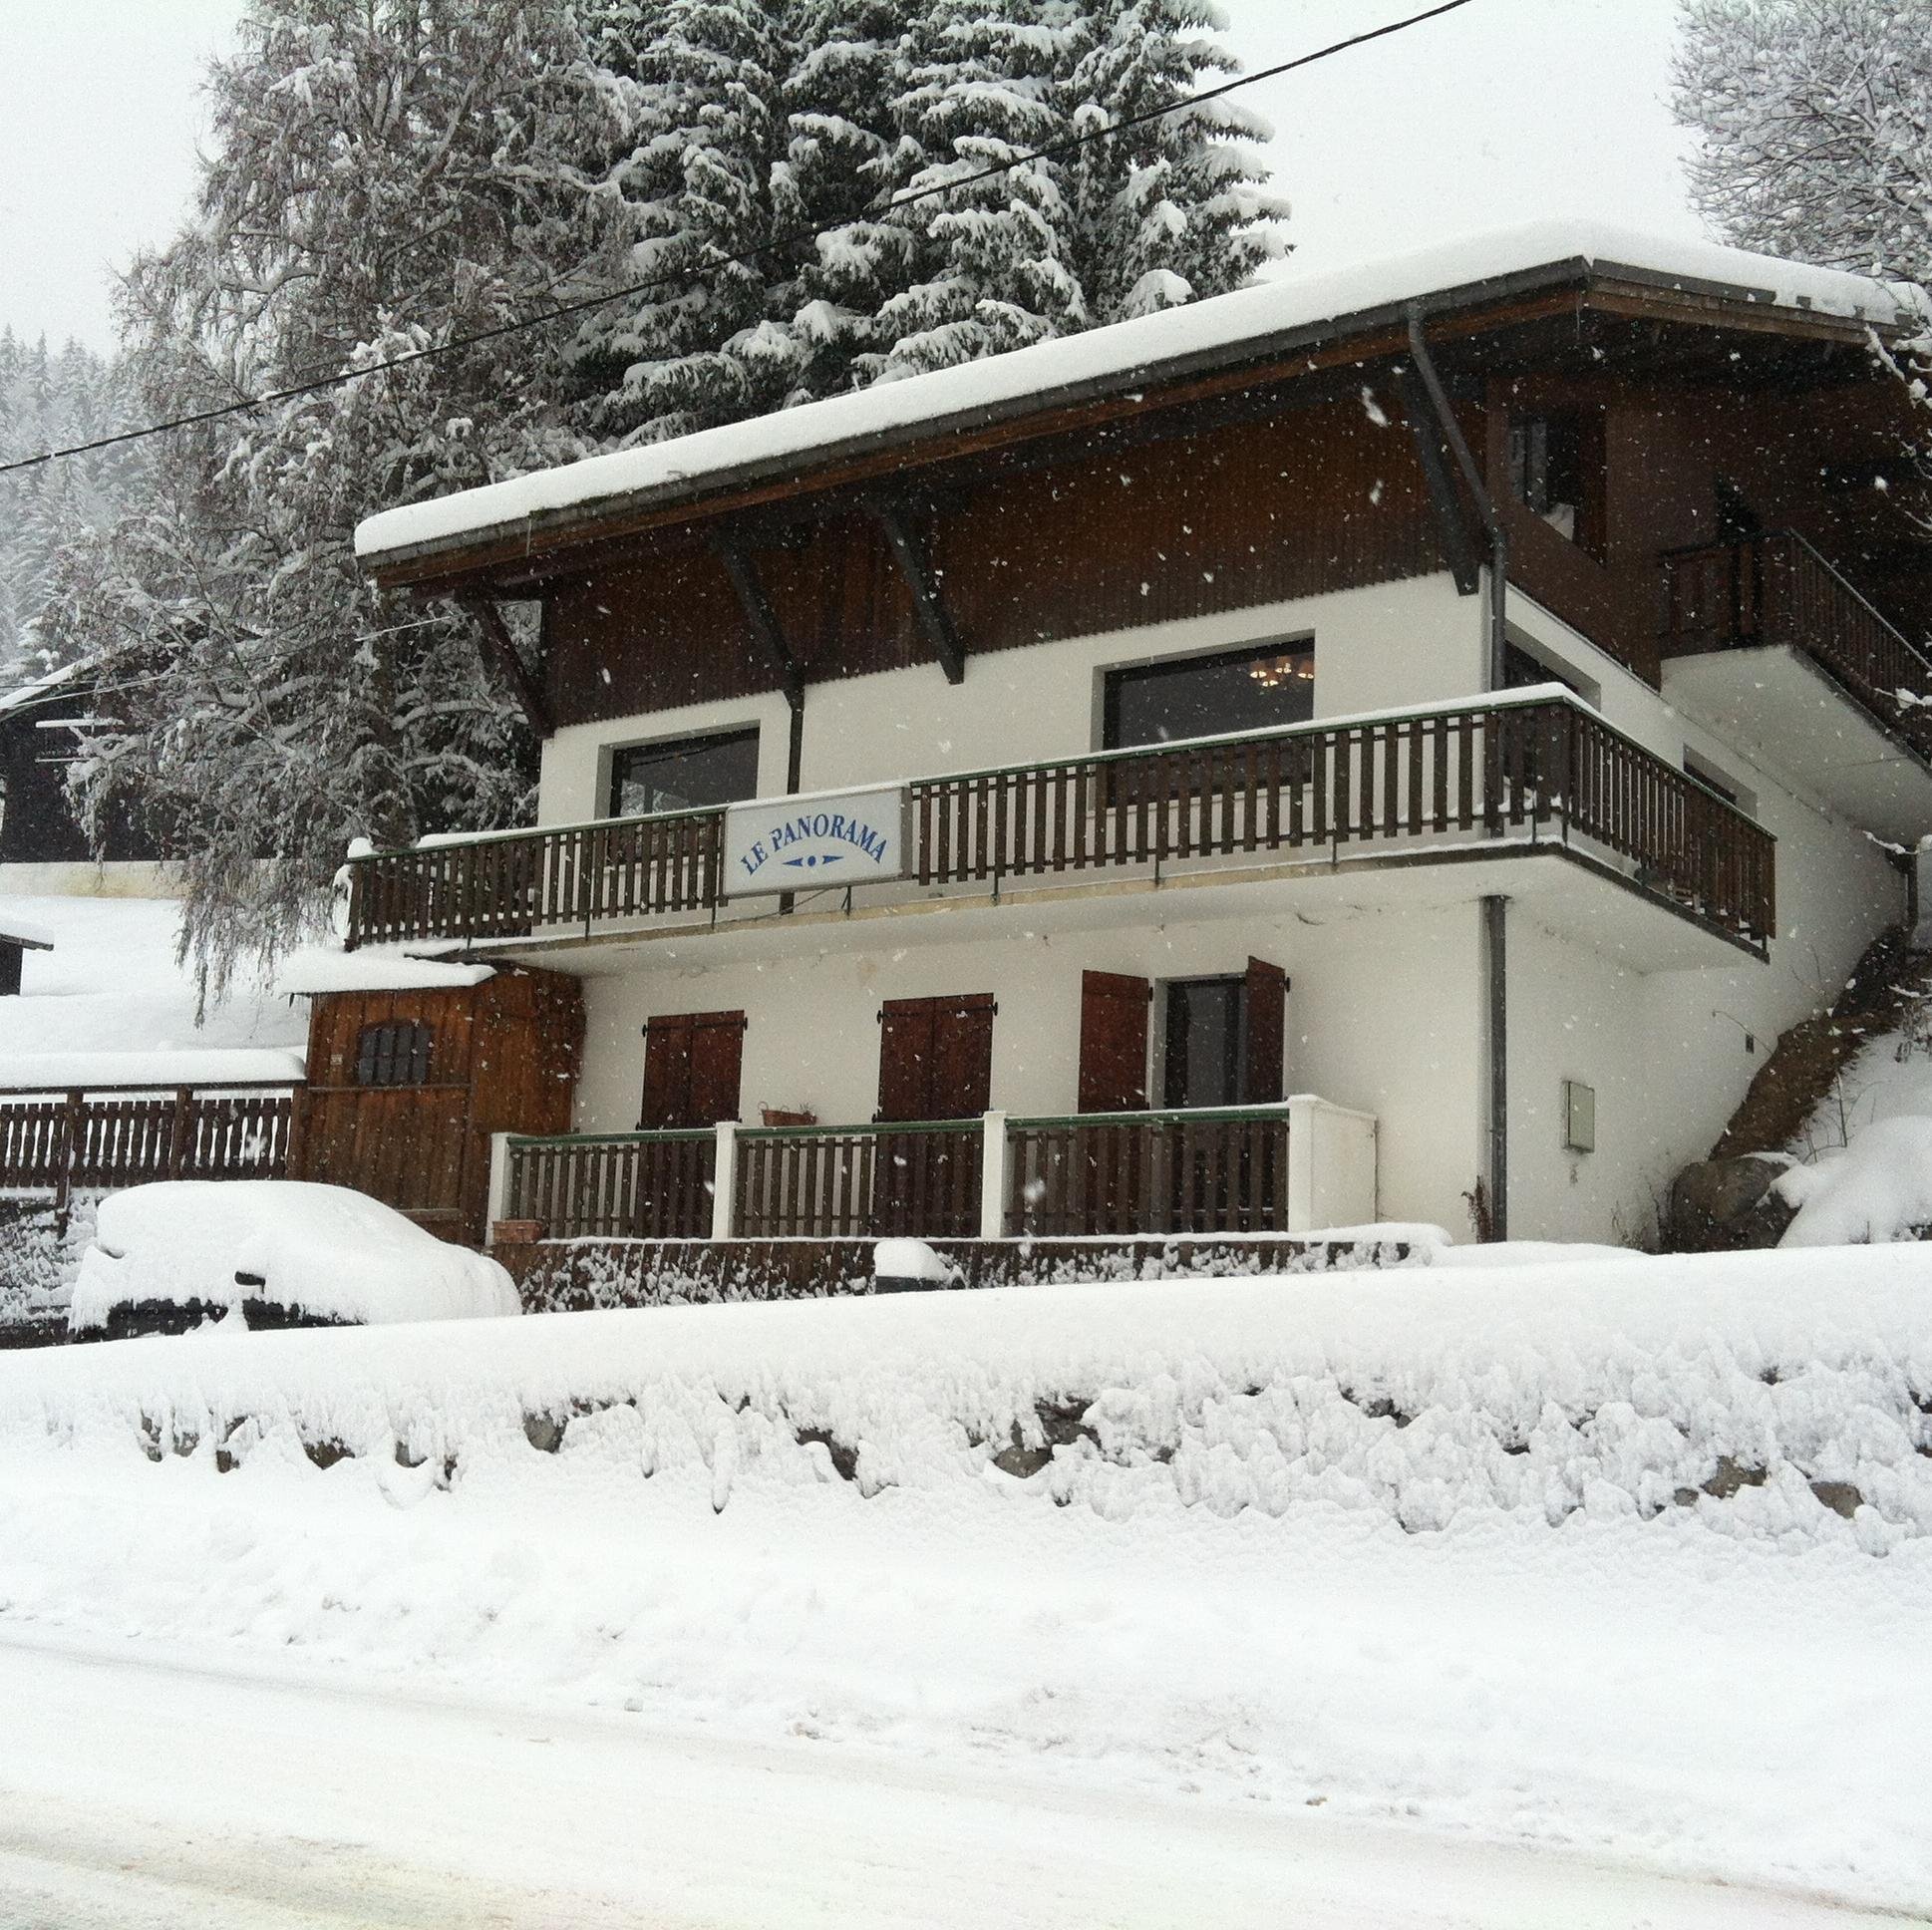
pixel 1496 976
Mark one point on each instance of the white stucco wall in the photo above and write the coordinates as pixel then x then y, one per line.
pixel 1395 643
pixel 1382 1017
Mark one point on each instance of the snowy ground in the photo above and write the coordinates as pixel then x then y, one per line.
pixel 109 1002
pixel 689 1674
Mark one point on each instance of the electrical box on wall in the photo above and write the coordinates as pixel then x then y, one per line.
pixel 1579 1116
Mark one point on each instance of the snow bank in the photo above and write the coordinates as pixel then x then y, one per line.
pixel 1750 1390
pixel 1877 1188
pixel 324 1249
pixel 372 968
pixel 1145 349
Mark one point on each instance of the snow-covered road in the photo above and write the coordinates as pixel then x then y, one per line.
pixel 148 1789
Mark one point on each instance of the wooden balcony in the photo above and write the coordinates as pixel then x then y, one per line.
pixel 1769 642
pixel 1465 779
pixel 1105 1175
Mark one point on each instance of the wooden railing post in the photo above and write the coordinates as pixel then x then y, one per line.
pixel 177 1131
pixel 70 1151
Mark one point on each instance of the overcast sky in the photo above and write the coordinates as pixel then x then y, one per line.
pixel 1503 112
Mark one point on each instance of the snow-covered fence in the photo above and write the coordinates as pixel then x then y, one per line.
pixel 101 1139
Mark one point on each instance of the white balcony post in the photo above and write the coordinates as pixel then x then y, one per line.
pixel 1331 1165
pixel 724 1181
pixel 992 1177
pixel 499 1197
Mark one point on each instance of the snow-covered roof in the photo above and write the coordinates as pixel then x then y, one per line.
pixel 1152 348
pixel 184 1066
pixel 38 690
pixel 372 968
pixel 23 931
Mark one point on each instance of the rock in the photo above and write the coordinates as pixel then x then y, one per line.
pixel 545 1431
pixel 1728 1205
pixel 1841 1497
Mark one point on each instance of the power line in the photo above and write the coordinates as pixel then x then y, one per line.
pixel 784 239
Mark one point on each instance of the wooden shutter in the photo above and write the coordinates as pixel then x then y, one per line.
pixel 692 1066
pixel 1265 1002
pixel 1114 1009
pixel 936 1057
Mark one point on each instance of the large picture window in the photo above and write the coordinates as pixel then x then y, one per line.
pixel 683 774
pixel 1239 690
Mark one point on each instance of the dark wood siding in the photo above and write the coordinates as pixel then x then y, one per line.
pixel 936 1057
pixel 1318 499
pixel 1113 1011
pixel 504 1059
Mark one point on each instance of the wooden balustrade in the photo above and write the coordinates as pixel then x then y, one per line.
pixel 633 1185
pixel 1544 767
pixel 104 1139
pixel 510 885
pixel 1775 589
pixel 859 1182
pixel 1150 1172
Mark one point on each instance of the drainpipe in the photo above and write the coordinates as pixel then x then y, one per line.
pixel 1496 973
pixel 1486 509
pixel 1494 909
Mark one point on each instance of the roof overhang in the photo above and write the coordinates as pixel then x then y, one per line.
pixel 487 551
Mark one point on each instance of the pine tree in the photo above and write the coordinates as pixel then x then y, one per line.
pixel 386 174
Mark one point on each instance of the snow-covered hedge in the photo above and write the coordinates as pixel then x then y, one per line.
pixel 1765 1394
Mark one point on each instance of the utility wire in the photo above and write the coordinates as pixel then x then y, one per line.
pixel 784 239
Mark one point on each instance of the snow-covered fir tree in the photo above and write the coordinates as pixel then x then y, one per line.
pixel 816 114
pixel 383 174
pixel 1815 124
pixel 51 400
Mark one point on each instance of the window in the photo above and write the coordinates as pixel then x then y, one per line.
pixel 1711 779
pixel 1239 690
pixel 683 774
pixel 1556 463
pixel 396 1052
pixel 1201 1062
pixel 693 1063
pixel 1520 671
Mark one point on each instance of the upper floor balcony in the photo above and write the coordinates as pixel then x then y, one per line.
pixel 1391 797
pixel 1771 645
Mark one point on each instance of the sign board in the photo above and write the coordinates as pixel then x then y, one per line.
pixel 805 844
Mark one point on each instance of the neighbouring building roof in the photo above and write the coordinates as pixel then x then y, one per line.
pixel 38 690
pixel 1275 316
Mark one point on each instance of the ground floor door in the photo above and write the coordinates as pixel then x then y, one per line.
pixel 935 1064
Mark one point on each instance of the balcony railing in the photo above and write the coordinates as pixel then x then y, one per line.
pixel 1227 1170
pixel 1536 766
pixel 1777 590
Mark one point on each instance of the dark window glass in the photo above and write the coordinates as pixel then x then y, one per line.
pixel 394 1053
pixel 683 774
pixel 1242 689
pixel 1201 1060
pixel 1709 781
pixel 1556 469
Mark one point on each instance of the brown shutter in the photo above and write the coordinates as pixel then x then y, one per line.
pixel 936 1057
pixel 1114 1012
pixel 692 1066
pixel 905 1058
pixel 1267 1013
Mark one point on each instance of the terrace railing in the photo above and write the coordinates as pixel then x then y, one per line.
pixel 631 1185
pixel 103 1139
pixel 859 1182
pixel 1540 766
pixel 1775 589
pixel 1223 1171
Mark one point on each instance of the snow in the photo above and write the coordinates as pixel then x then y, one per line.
pixel 36 689
pixel 325 1249
pixel 24 931
pixel 1147 349
pixel 372 968
pixel 112 1004
pixel 1876 1188
pixel 1392 1552
pixel 910 1260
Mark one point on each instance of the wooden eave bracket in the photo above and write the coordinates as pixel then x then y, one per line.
pixel 761 616
pixel 499 649
pixel 928 605
pixel 1452 518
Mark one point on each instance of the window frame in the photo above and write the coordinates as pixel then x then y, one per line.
pixel 1528 474
pixel 614 756
pixel 1151 669
pixel 393 1055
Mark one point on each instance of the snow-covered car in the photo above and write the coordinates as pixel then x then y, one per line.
pixel 267 1253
